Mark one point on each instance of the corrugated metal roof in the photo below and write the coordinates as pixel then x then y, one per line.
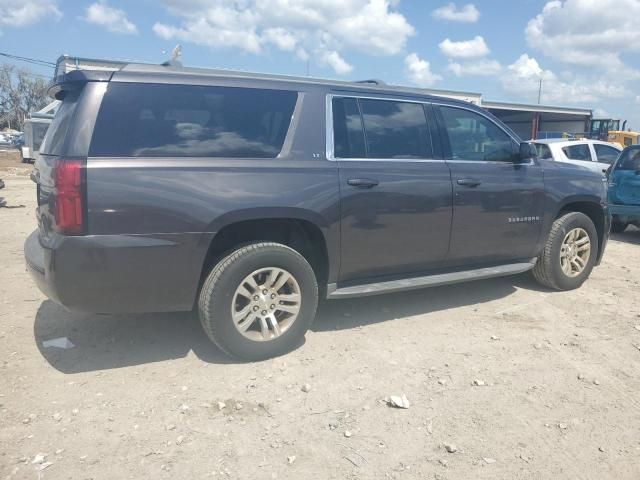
pixel 537 108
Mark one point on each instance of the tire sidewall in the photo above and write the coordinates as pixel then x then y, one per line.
pixel 224 290
pixel 574 220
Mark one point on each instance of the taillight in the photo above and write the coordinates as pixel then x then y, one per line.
pixel 68 197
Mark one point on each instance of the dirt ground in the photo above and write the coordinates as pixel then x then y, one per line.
pixel 10 161
pixel 138 396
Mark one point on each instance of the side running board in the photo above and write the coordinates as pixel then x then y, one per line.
pixel 427 281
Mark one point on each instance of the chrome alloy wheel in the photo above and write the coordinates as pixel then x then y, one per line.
pixel 575 252
pixel 265 304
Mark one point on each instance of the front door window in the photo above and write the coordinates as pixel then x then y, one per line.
pixel 474 137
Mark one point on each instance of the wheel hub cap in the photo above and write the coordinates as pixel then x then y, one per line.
pixel 575 252
pixel 265 304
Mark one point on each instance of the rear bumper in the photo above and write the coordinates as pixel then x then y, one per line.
pixel 36 258
pixel 118 273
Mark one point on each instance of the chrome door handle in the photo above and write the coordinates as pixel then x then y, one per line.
pixel 469 182
pixel 362 182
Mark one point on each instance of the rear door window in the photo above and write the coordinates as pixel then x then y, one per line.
pixel 348 135
pixel 154 120
pixel 55 136
pixel 578 152
pixel 605 153
pixel 395 129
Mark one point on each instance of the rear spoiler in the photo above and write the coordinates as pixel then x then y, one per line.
pixel 75 80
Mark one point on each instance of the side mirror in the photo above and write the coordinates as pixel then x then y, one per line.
pixel 527 152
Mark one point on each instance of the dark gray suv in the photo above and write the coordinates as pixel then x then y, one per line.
pixel 248 197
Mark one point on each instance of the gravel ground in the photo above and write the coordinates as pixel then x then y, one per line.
pixel 505 381
pixel 10 158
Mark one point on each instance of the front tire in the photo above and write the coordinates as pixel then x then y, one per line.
pixel 259 301
pixel 569 254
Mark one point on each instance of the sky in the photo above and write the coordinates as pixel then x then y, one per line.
pixel 586 52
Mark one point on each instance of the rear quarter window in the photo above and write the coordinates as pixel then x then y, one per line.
pixel 56 134
pixel 154 120
pixel 578 152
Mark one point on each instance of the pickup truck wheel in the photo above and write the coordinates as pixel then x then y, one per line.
pixel 259 301
pixel 617 225
pixel 569 254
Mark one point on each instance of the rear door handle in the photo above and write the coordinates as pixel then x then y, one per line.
pixel 362 182
pixel 469 182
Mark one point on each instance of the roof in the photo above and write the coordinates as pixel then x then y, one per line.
pixel 66 64
pixel 537 108
pixel 553 140
pixel 174 71
pixel 77 69
pixel 177 71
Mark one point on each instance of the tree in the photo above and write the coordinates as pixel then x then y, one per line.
pixel 21 92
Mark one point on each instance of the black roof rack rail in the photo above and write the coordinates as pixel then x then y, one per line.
pixel 373 81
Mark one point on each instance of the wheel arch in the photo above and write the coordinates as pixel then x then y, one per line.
pixel 306 232
pixel 596 211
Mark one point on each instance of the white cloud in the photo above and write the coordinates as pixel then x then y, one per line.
pixel 638 99
pixel 324 27
pixel 20 13
pixel 467 14
pixel 419 71
pixel 200 32
pixel 302 54
pixel 370 27
pixel 473 48
pixel 526 67
pixel 281 38
pixel 475 68
pixel 587 32
pixel 113 19
pixel 335 61
pixel 522 80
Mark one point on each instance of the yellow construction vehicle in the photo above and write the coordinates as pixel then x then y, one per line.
pixel 623 138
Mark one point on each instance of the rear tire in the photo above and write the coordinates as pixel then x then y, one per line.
pixel 236 285
pixel 617 225
pixel 557 266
